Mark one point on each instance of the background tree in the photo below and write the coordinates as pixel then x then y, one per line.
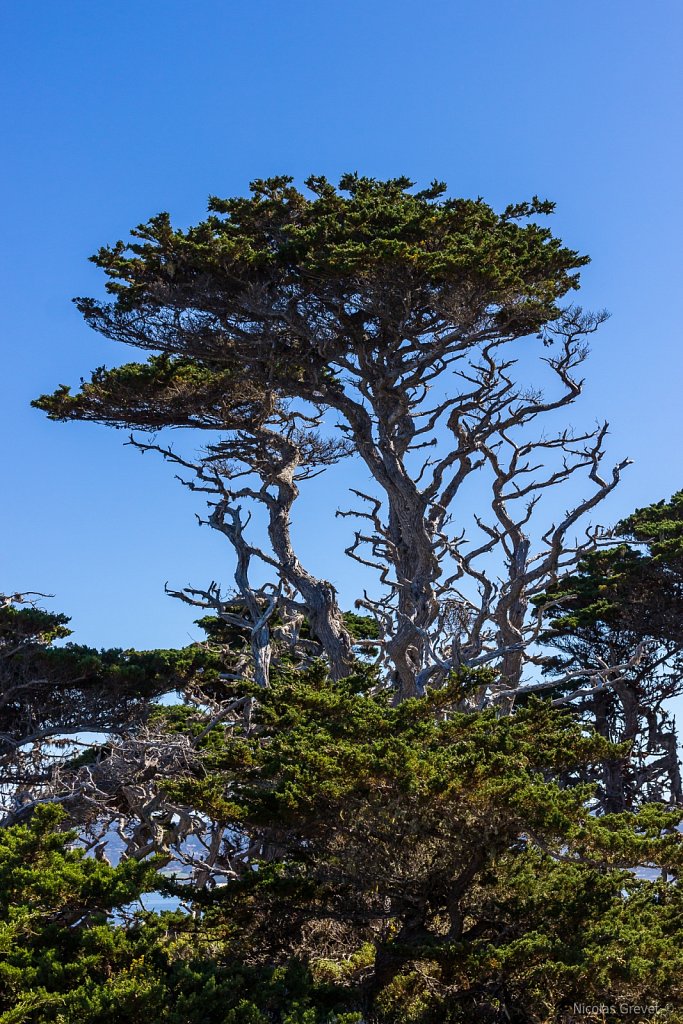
pixel 50 695
pixel 76 729
pixel 623 599
pixel 400 312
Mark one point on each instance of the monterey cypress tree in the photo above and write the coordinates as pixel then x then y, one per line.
pixel 402 314
pixel 624 600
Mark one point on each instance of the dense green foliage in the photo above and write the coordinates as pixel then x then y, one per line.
pixel 164 390
pixel 58 946
pixel 624 605
pixel 271 291
pixel 413 864
pixel 636 586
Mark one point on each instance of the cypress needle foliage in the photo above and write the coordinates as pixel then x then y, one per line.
pixel 60 955
pixel 626 603
pixel 370 299
pixel 636 586
pixel 272 292
pixel 408 863
pixel 62 703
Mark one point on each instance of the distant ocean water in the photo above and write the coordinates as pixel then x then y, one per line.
pixel 154 902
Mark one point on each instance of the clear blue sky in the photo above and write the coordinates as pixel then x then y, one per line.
pixel 117 111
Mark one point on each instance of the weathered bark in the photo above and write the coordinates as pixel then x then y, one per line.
pixel 409 543
pixel 277 460
pixel 318 596
pixel 227 520
pixel 613 788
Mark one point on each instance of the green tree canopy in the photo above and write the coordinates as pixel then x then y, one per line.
pixel 387 865
pixel 624 605
pixel 395 309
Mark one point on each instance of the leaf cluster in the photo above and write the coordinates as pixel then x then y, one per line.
pixel 410 863
pixel 635 587
pixel 272 293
